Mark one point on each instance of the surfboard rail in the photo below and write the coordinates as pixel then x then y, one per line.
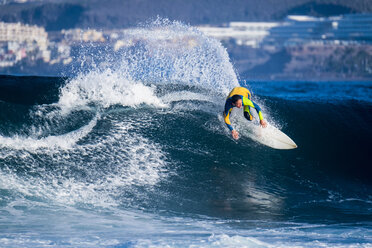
pixel 270 136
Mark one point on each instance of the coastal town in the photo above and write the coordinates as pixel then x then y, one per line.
pixel 32 45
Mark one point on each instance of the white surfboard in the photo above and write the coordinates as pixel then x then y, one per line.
pixel 269 136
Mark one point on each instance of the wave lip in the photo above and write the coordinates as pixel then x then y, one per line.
pixel 65 141
pixel 106 88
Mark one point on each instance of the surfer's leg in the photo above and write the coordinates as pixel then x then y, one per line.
pixel 247 114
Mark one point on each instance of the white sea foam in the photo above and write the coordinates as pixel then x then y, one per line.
pixel 65 141
pixel 264 238
pixel 119 158
pixel 186 96
pixel 106 88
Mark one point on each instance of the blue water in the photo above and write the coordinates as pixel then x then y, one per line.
pixel 136 154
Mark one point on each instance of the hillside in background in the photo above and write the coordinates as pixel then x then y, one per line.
pixel 59 15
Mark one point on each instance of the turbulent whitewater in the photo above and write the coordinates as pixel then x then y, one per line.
pixel 132 151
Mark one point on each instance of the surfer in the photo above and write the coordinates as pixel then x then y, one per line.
pixel 238 97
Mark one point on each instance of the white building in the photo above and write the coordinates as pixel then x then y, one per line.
pixel 19 37
pixel 245 33
pixel 23 33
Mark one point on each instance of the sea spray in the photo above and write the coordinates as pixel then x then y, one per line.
pixel 161 52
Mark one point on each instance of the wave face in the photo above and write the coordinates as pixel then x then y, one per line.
pixel 134 153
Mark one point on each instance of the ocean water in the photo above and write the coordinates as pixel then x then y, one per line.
pixel 135 153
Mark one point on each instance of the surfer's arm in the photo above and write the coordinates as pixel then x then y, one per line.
pixel 226 115
pixel 249 103
pixel 263 123
pixel 234 133
pixel 258 109
pixel 227 119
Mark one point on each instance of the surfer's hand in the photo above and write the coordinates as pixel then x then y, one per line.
pixel 263 123
pixel 235 134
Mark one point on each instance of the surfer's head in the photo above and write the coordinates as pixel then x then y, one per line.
pixel 236 101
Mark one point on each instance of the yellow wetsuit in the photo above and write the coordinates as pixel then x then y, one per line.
pixel 246 103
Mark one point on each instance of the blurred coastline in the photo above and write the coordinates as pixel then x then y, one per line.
pixel 296 47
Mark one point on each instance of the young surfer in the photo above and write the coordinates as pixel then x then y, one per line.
pixel 238 97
